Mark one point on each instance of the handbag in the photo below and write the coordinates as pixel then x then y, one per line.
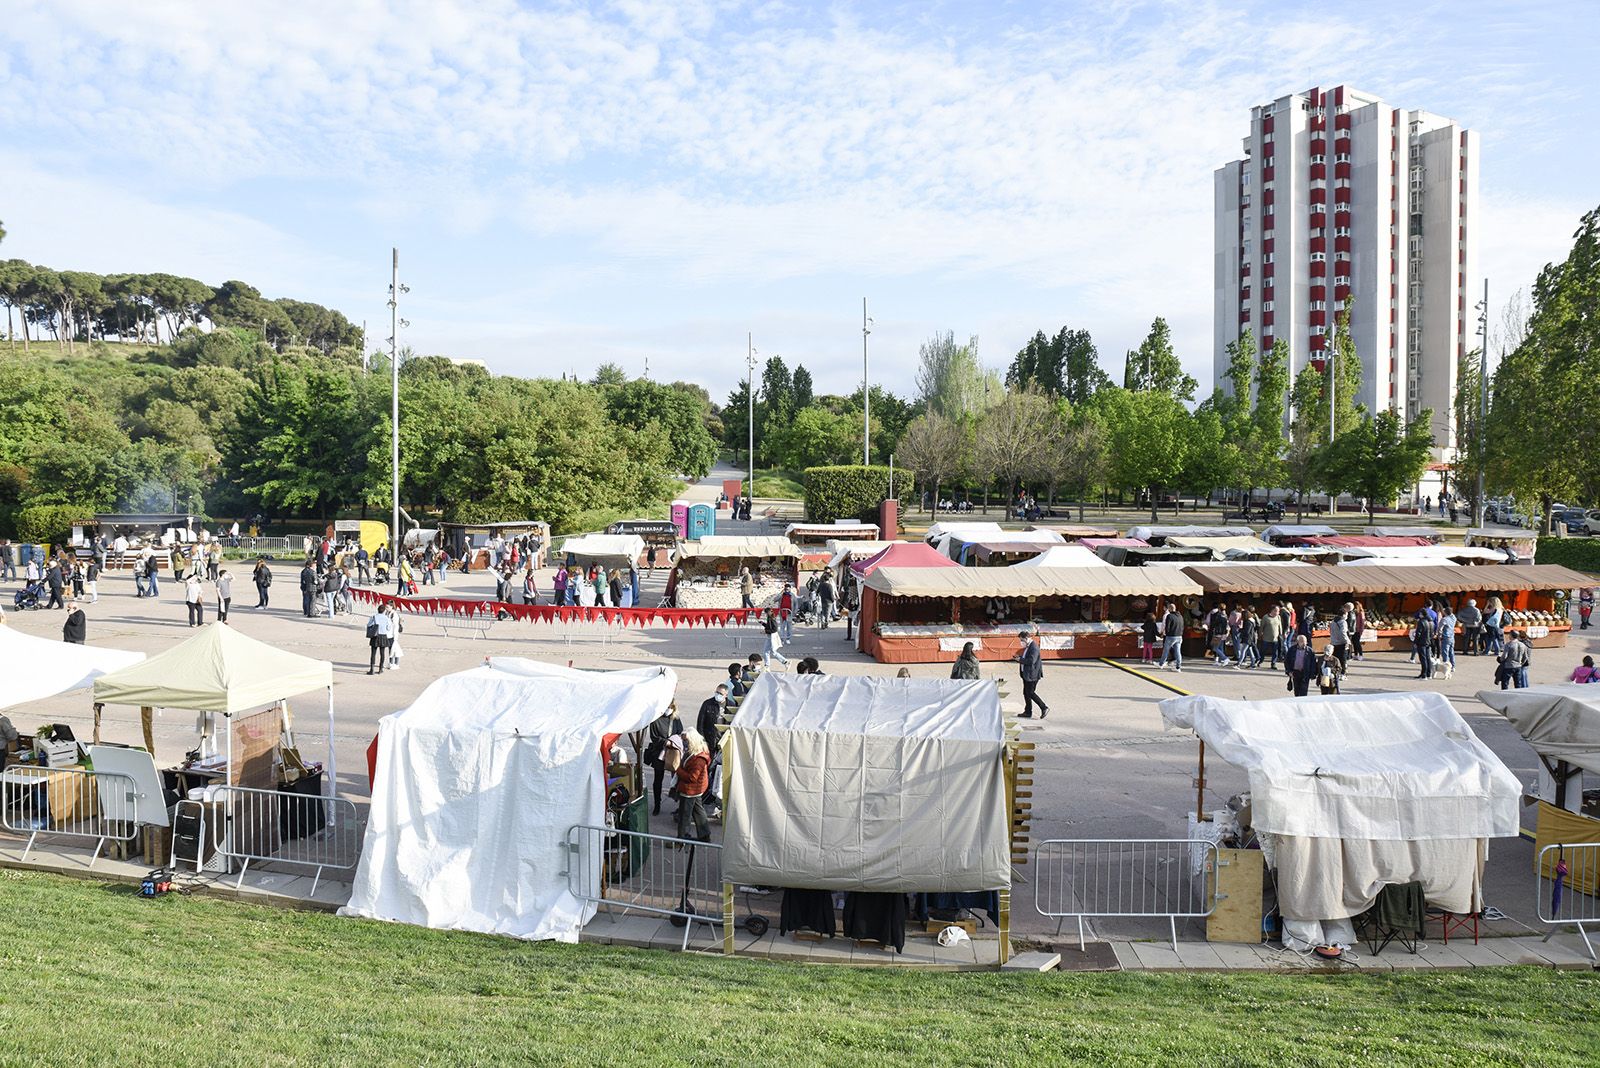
pixel 372 631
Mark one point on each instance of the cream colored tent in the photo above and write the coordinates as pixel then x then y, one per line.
pixel 219 671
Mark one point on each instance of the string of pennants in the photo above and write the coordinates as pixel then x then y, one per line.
pixel 549 613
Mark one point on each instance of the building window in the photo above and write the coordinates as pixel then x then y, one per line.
pixel 1266 209
pixel 1266 257
pixel 1266 305
pixel 1319 257
pixel 1342 157
pixel 1344 231
pixel 1319 158
pixel 1319 305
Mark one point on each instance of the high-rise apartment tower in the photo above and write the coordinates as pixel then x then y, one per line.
pixel 1342 197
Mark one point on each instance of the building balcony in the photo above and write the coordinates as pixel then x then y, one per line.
pixel 1319 172
pixel 1342 244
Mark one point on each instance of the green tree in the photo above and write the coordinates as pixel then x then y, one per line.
pixel 1379 457
pixel 1154 366
pixel 801 388
pixel 1066 366
pixel 1345 366
pixel 609 374
pixel 1263 459
pixel 1212 457
pixel 1078 457
pixel 890 417
pixel 1307 434
pixel 949 379
pixel 641 404
pixel 1148 437
pixel 936 450
pixel 816 437
pixel 1013 439
pixel 776 406
pixel 1471 456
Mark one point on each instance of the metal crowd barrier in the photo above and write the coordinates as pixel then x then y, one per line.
pixel 70 802
pixel 1570 898
pixel 634 871
pixel 244 825
pixel 1140 877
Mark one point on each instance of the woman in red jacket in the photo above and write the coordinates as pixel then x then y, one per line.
pixel 693 775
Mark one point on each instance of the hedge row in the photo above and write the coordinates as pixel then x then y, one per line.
pixel 48 524
pixel 851 492
pixel 1580 554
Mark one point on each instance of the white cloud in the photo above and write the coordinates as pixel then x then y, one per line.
pixel 1056 169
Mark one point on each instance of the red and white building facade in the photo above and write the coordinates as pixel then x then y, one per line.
pixel 1341 196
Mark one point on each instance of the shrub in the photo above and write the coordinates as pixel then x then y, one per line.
pixel 49 523
pixel 850 492
pixel 1580 554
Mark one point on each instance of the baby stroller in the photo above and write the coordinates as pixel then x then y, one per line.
pixel 805 607
pixel 30 595
pixel 381 572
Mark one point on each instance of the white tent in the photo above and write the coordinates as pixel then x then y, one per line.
pixel 37 668
pixel 1064 556
pixel 1155 533
pixel 1354 793
pixel 1426 554
pixel 478 783
pixel 607 550
pixel 867 783
pixel 220 671
pixel 1560 722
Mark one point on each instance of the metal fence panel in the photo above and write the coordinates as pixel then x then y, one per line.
pixel 69 802
pixel 1141 877
pixel 633 871
pixel 1569 889
pixel 285 828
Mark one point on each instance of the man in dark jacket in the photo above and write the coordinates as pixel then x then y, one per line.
pixel 1300 665
pixel 52 578
pixel 1032 670
pixel 308 590
pixel 664 727
pixel 708 724
pixel 76 627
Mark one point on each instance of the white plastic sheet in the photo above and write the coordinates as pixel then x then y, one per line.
pixel 37 668
pixel 1397 766
pixel 477 785
pixel 1560 722
pixel 865 783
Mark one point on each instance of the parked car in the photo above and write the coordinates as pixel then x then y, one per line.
pixel 1591 521
pixel 1574 519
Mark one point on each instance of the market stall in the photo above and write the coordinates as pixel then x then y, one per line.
pixel 479 538
pixel 659 533
pixel 1519 545
pixel 930 813
pixel 1295 533
pixel 1146 555
pixel 1006 553
pixel 940 534
pixel 1351 794
pixel 964 546
pixel 1063 556
pixel 1422 554
pixel 1251 549
pixel 1076 532
pixel 152 530
pixel 220 672
pixel 814 537
pixel 476 786
pixel 1534 595
pixel 1431 535
pixel 925 615
pixel 1158 535
pixel 610 552
pixel 706 574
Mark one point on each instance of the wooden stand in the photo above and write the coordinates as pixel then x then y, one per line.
pixel 1237 882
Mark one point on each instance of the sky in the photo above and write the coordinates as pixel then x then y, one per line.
pixel 649 182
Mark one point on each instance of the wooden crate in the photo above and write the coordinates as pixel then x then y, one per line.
pixel 1237 879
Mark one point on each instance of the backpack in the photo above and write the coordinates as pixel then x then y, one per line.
pixel 372 629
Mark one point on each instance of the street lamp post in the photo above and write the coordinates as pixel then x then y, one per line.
pixel 395 323
pixel 1478 440
pixel 866 390
pixel 750 389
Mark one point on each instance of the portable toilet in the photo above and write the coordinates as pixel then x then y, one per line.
pixel 680 518
pixel 702 521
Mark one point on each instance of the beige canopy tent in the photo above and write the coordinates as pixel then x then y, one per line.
pixel 1444 578
pixel 736 547
pixel 218 671
pixel 1236 548
pixel 1032 582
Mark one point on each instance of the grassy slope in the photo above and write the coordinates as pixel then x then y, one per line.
pixel 92 969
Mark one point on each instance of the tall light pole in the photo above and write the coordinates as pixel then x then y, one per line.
pixel 395 322
pixel 866 390
pixel 1478 440
pixel 750 389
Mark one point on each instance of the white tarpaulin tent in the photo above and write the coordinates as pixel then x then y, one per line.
pixel 1064 556
pixel 478 783
pixel 607 550
pixel 866 783
pixel 1560 722
pixel 37 668
pixel 1357 792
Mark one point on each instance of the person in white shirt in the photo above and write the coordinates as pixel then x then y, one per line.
pixel 379 634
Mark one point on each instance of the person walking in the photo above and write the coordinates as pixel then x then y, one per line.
pixel 76 628
pixel 332 583
pixel 1422 642
pixel 1149 633
pixel 826 596
pixel 786 612
pixel 224 593
pixel 91 580
pixel 1300 665
pixel 54 580
pixel 1494 621
pixel 558 586
pixel 650 563
pixel 1358 630
pixel 1216 625
pixel 308 589
pixel 379 632
pixel 1447 640
pixel 396 628
pixel 1172 638
pixel 1031 667
pixel 966 665
pixel 1471 620
pixel 694 776
pixel 661 731
pixel 1514 662
pixel 747 589
pixel 261 575
pixel 709 725
pixel 1339 636
pixel 1270 630
pixel 774 649
pixel 194 595
pixel 1585 606
pixel 1249 640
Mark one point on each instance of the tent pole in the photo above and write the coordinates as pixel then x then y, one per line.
pixel 147 721
pixel 228 741
pixel 331 785
pixel 98 708
pixel 1200 787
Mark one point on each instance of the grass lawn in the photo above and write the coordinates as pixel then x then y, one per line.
pixel 776 482
pixel 93 973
